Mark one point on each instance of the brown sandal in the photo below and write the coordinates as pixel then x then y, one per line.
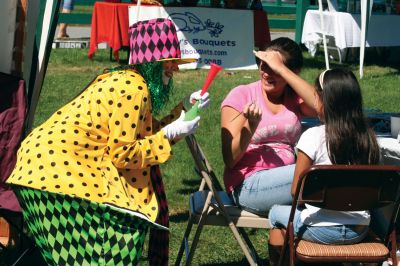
pixel 66 36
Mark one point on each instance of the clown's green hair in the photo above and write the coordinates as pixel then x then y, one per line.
pixel 152 73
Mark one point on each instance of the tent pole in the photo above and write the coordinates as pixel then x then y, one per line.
pixel 323 33
pixel 366 7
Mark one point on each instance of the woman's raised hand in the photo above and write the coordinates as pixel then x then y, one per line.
pixel 273 59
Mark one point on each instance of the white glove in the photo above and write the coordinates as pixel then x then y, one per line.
pixel 204 100
pixel 180 128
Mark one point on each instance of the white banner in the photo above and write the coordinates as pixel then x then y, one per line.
pixel 221 36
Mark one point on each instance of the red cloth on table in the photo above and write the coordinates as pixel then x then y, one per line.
pixel 110 24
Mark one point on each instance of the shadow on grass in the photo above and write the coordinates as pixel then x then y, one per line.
pixel 179 217
pixel 191 185
pixel 265 262
pixel 384 63
pixel 374 56
pixel 312 63
pixel 262 262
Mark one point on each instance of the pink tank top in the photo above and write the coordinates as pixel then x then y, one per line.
pixel 272 145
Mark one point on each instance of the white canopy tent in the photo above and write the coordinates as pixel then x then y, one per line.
pixel 366 7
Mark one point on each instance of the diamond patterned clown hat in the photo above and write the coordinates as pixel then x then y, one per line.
pixel 155 40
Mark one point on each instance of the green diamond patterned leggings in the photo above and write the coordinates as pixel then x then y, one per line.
pixel 74 231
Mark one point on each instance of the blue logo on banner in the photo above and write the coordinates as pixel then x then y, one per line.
pixel 189 22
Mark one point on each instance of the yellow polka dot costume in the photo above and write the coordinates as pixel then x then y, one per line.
pixel 99 147
pixel 88 179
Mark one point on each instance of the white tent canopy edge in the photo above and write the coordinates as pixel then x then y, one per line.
pixel 366 8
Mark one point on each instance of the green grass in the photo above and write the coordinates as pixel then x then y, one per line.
pixel 69 71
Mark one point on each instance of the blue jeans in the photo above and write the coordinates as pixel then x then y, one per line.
pixel 68 4
pixel 337 234
pixel 263 189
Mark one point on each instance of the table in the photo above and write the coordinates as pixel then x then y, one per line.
pixel 345 28
pixel 390 150
pixel 110 24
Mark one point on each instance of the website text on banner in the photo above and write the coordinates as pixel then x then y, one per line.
pixel 220 36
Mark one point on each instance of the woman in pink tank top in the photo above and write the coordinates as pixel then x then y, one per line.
pixel 260 124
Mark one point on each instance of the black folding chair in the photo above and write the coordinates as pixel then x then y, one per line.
pixel 346 188
pixel 213 206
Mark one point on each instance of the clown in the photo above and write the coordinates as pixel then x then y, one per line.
pixel 88 179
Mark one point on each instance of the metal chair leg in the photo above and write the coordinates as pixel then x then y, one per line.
pixel 252 261
pixel 184 243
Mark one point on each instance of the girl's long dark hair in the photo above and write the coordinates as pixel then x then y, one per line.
pixel 349 139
